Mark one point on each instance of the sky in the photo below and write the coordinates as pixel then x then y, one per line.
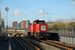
pixel 48 10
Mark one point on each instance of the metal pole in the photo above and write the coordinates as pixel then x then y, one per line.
pixel 7 20
pixel 0 8
pixel 7 9
pixel 0 13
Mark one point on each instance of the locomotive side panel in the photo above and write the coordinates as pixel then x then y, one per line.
pixel 37 28
pixel 43 27
pixel 32 28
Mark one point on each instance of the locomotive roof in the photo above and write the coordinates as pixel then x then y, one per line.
pixel 37 21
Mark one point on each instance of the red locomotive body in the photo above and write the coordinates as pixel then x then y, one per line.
pixel 38 27
pixel 32 28
pixel 41 27
pixel 39 30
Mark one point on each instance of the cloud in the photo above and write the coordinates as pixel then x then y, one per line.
pixel 42 12
pixel 17 12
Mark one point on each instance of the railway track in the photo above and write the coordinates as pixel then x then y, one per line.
pixel 4 45
pixel 60 45
pixel 20 44
pixel 15 45
pixel 56 44
pixel 33 43
pixel 41 45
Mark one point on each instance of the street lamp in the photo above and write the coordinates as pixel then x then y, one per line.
pixel 7 9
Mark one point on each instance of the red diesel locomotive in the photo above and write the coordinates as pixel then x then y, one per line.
pixel 39 30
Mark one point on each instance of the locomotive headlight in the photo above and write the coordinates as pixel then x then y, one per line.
pixel 43 27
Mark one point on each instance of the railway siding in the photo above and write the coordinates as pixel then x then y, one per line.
pixel 62 43
pixel 21 44
pixel 61 46
pixel 4 45
pixel 42 45
pixel 15 45
pixel 27 41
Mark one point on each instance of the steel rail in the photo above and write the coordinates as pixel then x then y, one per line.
pixel 62 47
pixel 25 48
pixel 62 43
pixel 25 40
